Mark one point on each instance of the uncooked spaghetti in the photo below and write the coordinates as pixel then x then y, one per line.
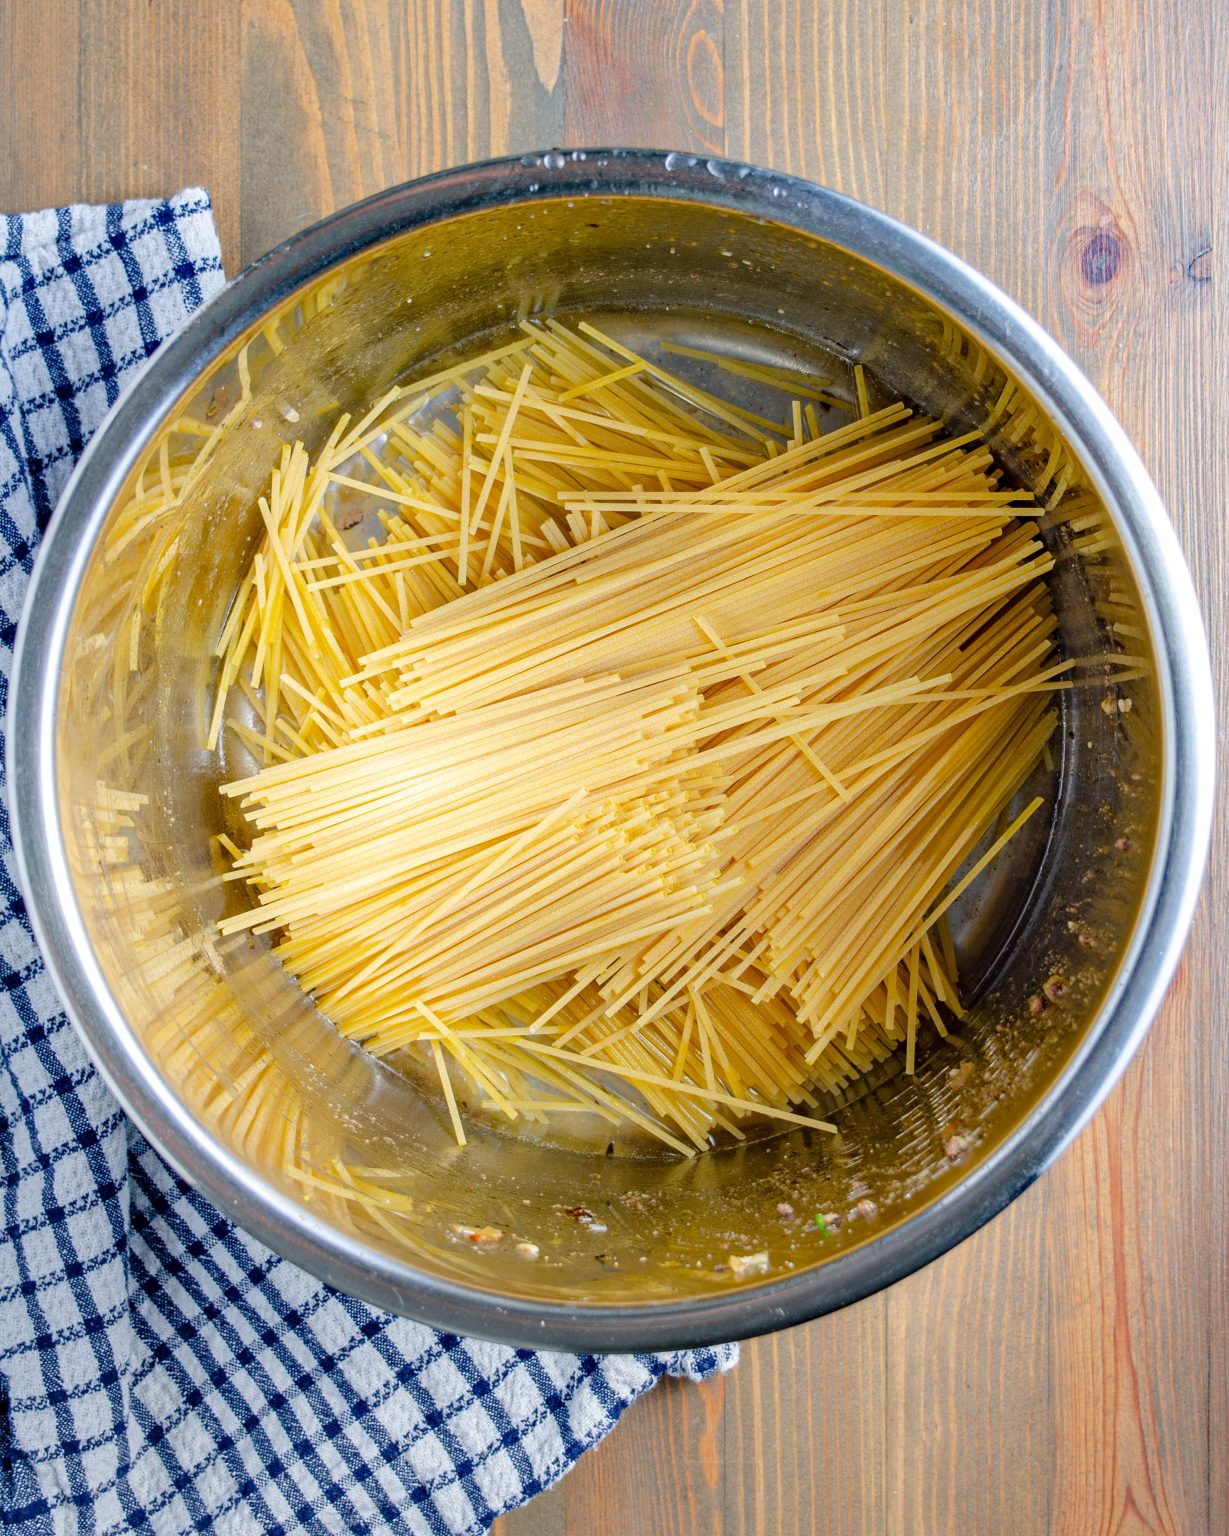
pixel 629 770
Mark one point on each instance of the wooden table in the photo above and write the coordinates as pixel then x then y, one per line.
pixel 1067 1369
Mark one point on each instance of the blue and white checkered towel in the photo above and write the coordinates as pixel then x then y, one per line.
pixel 160 1371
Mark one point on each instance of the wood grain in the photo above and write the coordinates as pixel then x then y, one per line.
pixel 1066 1371
pixel 646 75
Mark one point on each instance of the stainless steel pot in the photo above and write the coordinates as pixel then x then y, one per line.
pixel 114 798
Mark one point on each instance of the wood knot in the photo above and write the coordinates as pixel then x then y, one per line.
pixel 1095 259
pixel 1101 257
pixel 704 71
pixel 1199 267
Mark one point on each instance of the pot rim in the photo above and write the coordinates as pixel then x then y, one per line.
pixel 1183 680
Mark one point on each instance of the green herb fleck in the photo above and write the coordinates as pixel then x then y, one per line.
pixel 822 1225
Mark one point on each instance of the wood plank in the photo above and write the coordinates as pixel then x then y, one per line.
pixel 40 164
pixel 1136 1317
pixel 1129 1448
pixel 338 103
pixel 661 1472
pixel 860 97
pixel 967 1384
pixel 158 105
pixel 649 75
pixel 804 1437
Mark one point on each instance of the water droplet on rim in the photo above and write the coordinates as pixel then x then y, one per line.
pixel 673 161
pixel 553 161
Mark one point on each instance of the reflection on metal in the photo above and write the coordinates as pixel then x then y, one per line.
pixel 227 1066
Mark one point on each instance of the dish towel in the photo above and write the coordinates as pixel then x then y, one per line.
pixel 161 1372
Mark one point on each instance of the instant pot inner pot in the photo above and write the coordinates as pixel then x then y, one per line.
pixel 238 1041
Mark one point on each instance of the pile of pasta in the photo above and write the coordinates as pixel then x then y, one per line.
pixel 630 769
